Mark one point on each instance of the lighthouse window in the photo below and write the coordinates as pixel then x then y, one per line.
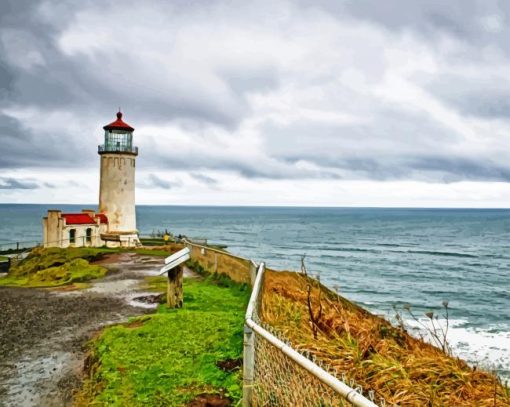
pixel 72 236
pixel 88 234
pixel 118 141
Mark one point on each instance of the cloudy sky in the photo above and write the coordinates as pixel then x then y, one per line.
pixel 328 103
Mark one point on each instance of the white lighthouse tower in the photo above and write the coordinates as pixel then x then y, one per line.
pixel 117 184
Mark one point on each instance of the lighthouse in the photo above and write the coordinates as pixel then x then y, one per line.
pixel 114 225
pixel 117 184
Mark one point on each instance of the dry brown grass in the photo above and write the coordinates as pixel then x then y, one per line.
pixel 401 369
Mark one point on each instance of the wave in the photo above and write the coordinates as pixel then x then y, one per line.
pixel 398 244
pixel 487 347
pixel 374 250
pixel 346 249
pixel 438 253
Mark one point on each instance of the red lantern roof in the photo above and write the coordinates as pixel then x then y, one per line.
pixel 84 218
pixel 118 124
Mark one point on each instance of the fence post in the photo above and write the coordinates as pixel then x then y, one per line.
pixel 253 272
pixel 248 366
pixel 174 293
pixel 17 246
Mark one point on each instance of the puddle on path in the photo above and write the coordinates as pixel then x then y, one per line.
pixel 35 378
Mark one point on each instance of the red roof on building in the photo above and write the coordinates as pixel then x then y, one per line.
pixel 118 124
pixel 83 218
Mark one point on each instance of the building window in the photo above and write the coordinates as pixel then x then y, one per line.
pixel 72 236
pixel 88 235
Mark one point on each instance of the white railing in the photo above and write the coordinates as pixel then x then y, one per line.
pixel 290 365
pixel 116 149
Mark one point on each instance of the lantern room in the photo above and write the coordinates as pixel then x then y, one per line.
pixel 118 138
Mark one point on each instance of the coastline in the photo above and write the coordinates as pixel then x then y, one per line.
pixel 377 258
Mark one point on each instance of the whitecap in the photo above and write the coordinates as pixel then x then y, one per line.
pixel 487 348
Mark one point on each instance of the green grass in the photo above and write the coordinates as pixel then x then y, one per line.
pixel 171 357
pixel 41 259
pixel 74 271
pixel 55 267
pixel 154 283
pixel 149 252
pixel 3 258
pixel 154 241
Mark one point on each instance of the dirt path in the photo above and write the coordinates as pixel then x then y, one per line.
pixel 42 332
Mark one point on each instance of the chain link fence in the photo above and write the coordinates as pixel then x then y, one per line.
pixel 78 241
pixel 17 247
pixel 280 381
pixel 275 374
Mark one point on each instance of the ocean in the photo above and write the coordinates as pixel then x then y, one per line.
pixel 379 258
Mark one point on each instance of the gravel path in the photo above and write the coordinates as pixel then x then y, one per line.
pixel 43 332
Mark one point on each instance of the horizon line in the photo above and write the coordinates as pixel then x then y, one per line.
pixel 272 206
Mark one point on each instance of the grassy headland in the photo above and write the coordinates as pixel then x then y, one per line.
pixel 53 267
pixel 401 369
pixel 170 357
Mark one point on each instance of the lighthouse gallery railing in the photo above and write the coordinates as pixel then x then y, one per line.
pixel 116 149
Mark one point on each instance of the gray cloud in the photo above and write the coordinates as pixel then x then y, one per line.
pixel 265 168
pixel 463 19
pixel 484 97
pixel 21 148
pixel 12 183
pixel 205 179
pixel 205 70
pixel 152 181
pixel 75 81
pixel 454 169
pixel 82 87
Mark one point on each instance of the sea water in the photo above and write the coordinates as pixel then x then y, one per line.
pixel 379 258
